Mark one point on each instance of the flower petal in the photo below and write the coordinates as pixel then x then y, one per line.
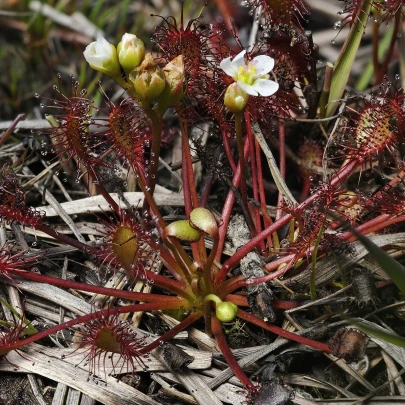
pixel 265 87
pixel 239 60
pixel 240 55
pixel 98 52
pixel 103 47
pixel 264 64
pixel 92 58
pixel 247 88
pixel 227 66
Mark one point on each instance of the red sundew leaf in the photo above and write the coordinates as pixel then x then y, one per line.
pixel 127 244
pixel 108 339
pixel 11 333
pixel 281 12
pixel 124 131
pixel 12 202
pixel 70 134
pixel 394 269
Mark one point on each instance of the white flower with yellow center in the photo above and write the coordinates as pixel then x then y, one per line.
pixel 253 77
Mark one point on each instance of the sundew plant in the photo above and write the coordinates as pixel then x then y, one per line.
pixel 285 154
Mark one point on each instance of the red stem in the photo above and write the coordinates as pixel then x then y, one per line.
pixel 172 332
pixel 186 177
pixel 177 287
pixel 168 284
pixel 187 166
pixel 156 124
pixel 285 304
pixel 227 209
pixel 170 263
pixel 244 250
pixel 189 190
pixel 343 173
pixel 262 193
pixel 149 201
pixel 177 250
pixel 151 306
pixel 129 295
pixel 383 284
pixel 180 256
pixel 238 300
pixel 10 129
pixel 283 333
pixel 67 240
pixel 234 284
pixel 228 152
pixel 106 195
pixel 206 190
pixel 281 140
pixel 375 42
pixel 242 301
pixel 227 353
pixel 255 178
pixel 242 159
pixel 375 225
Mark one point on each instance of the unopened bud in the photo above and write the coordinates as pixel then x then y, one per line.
pixel 148 79
pixel 183 230
pixel 203 219
pixel 175 83
pixel 226 311
pixel 235 98
pixel 131 51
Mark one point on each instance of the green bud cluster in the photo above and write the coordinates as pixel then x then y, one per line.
pixel 166 85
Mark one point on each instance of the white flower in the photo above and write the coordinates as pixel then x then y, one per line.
pixel 102 56
pixel 251 78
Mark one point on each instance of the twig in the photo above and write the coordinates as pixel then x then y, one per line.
pixel 278 179
pixel 372 393
pixel 35 389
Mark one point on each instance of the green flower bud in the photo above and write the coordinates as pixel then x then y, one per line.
pixel 148 79
pixel 102 56
pixel 235 98
pixel 203 219
pixel 175 83
pixel 131 51
pixel 226 311
pixel 183 230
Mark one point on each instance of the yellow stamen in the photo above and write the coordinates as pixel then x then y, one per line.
pixel 246 73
